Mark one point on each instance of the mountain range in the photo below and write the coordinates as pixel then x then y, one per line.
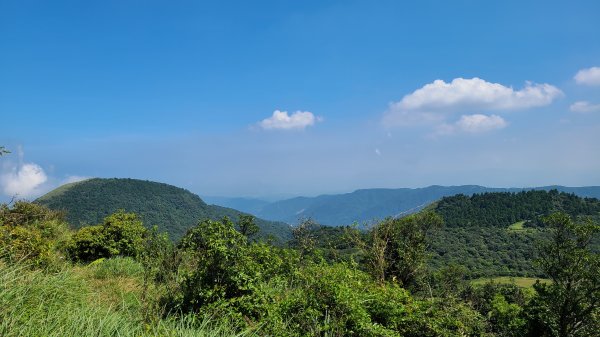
pixel 367 205
pixel 175 209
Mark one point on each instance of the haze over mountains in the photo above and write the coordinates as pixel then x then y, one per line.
pixel 366 205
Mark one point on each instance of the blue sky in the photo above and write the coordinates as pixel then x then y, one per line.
pixel 288 98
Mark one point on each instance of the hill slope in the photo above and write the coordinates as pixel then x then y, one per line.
pixel 495 234
pixel 490 234
pixel 171 208
pixel 371 204
pixel 504 209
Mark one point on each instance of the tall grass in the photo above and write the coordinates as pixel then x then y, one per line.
pixel 38 303
pixel 116 267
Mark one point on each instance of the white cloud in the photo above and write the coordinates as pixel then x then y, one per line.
pixel 23 181
pixel 584 107
pixel 589 76
pixel 431 103
pixel 480 123
pixel 477 123
pixel 280 120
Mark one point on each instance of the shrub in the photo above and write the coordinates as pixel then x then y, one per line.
pixel 398 247
pixel 121 234
pixel 32 233
pixel 225 267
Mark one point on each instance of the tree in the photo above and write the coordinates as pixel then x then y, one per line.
pixel 399 247
pixel 247 225
pixel 304 237
pixel 570 305
pixel 218 259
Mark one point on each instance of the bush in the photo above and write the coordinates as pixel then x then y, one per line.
pixel 398 247
pixel 121 234
pixel 340 300
pixel 32 233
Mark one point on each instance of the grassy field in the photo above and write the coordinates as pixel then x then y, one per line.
pixel 524 282
pixel 98 300
pixel 517 226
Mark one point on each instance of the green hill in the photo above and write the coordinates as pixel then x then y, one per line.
pixel 171 208
pixel 505 209
pixel 490 234
pixel 495 234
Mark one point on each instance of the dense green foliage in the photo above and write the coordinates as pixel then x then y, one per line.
pixel 570 304
pixel 174 210
pixel 484 252
pixel 504 209
pixel 397 248
pixel 479 236
pixel 328 282
pixel 32 233
pixel 121 234
pixel 492 249
pixel 287 293
pixel 487 251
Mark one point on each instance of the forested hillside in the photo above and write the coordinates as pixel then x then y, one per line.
pixel 504 209
pixel 495 234
pixel 489 234
pixel 174 210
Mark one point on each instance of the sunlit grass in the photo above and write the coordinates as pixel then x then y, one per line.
pixel 524 282
pixel 71 302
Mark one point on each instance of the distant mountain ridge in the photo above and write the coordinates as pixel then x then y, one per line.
pixel 248 205
pixel 171 208
pixel 366 205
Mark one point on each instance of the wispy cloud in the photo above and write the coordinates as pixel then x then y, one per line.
pixel 433 102
pixel 589 76
pixel 480 123
pixel 74 179
pixel 584 107
pixel 280 120
pixel 477 123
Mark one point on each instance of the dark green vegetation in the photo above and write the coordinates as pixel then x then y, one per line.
pixel 502 210
pixel 217 282
pixel 174 210
pixel 490 234
pixel 370 205
pixel 479 231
